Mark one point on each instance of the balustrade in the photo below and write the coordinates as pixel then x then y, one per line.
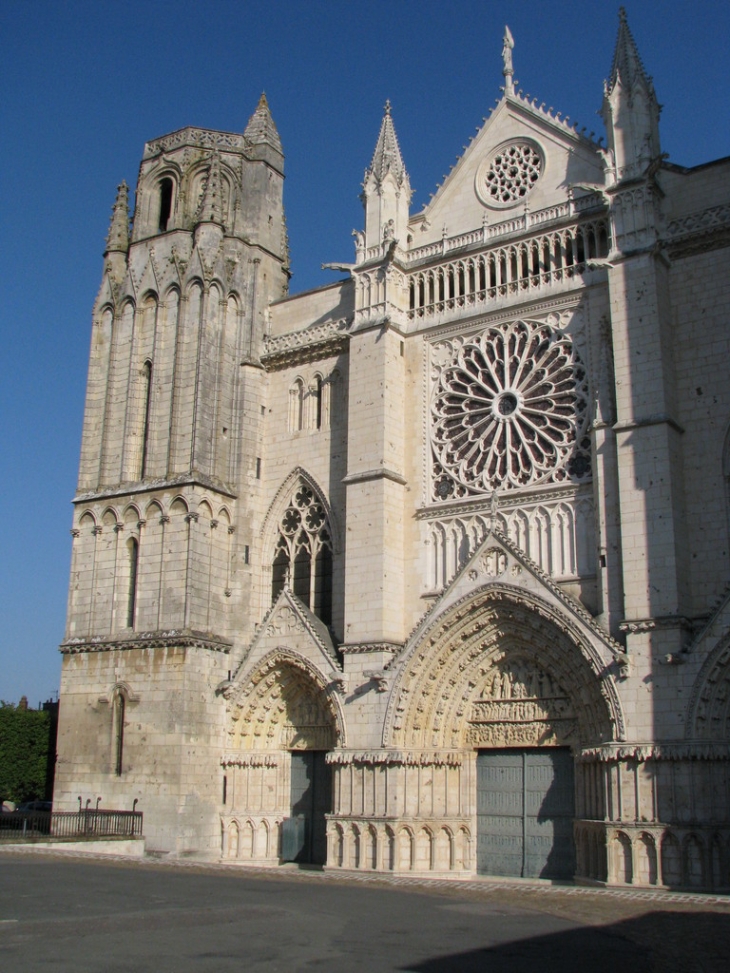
pixel 510 269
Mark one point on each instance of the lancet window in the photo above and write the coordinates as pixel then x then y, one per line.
pixel 118 714
pixel 310 403
pixel 303 553
pixel 165 204
pixel 133 548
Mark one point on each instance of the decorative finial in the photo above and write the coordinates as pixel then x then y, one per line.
pixel 387 107
pixel 508 43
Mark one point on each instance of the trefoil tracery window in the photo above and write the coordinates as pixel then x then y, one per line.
pixel 303 553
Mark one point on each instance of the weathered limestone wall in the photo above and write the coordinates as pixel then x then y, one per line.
pixel 172 740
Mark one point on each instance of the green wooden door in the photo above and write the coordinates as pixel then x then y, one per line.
pixel 525 810
pixel 311 797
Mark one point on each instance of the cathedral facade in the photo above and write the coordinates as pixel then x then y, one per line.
pixel 426 570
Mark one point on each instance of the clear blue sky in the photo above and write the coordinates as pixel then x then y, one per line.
pixel 86 82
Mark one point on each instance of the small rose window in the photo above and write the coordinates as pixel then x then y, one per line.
pixel 510 175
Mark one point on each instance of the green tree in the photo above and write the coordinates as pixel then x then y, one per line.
pixel 25 740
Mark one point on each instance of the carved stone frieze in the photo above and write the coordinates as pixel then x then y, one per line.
pixel 250 759
pixel 640 753
pixel 284 704
pixel 313 343
pixel 405 758
pixel 539 734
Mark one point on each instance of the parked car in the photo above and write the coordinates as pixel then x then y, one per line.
pixel 35 806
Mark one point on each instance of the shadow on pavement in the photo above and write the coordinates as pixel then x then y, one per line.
pixel 653 943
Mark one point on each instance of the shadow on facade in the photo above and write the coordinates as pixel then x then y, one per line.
pixel 654 942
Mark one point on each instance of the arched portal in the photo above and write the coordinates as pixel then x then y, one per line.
pixel 283 723
pixel 517 691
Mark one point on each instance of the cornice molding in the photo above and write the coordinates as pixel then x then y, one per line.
pixel 381 474
pixel 641 752
pixel 171 638
pixel 155 486
pixel 299 347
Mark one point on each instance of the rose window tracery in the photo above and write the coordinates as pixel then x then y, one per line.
pixel 509 409
pixel 510 175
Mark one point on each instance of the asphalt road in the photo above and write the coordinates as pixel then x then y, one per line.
pixel 67 914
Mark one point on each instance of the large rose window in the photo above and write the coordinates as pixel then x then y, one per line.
pixel 509 409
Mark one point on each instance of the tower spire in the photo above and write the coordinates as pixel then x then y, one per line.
pixel 117 240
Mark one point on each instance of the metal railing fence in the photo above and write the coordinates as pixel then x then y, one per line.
pixel 84 824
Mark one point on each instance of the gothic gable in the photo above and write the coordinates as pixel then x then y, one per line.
pixel 290 625
pixel 522 159
pixel 499 563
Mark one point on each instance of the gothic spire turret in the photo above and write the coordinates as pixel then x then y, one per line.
pixel 386 188
pixel 630 108
pixel 387 156
pixel 627 68
pixel 117 240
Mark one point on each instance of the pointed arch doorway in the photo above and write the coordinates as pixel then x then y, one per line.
pixel 504 681
pixel 285 723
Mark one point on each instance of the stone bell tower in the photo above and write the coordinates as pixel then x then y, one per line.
pixel 169 476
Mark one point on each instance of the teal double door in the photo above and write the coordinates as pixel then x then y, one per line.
pixel 525 811
pixel 311 800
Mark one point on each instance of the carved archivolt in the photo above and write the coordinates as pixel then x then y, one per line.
pixel 498 671
pixel 710 707
pixel 285 705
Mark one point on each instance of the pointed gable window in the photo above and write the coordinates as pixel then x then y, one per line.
pixel 303 553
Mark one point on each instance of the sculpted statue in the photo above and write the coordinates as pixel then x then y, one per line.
pixel 508 44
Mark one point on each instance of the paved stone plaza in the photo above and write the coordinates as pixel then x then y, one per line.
pixel 61 912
